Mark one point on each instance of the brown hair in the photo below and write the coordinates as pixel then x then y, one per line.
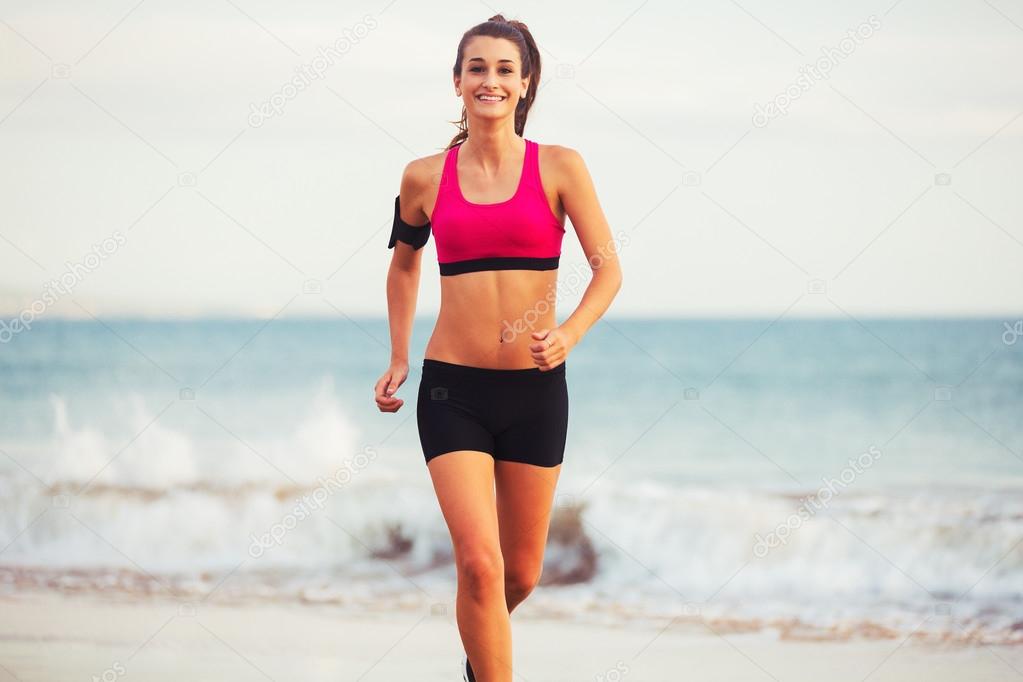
pixel 517 32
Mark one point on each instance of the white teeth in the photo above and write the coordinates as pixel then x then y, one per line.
pixel 489 98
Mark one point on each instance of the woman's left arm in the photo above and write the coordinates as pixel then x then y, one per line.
pixel 579 198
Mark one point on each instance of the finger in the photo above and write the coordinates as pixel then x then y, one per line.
pixel 390 384
pixel 386 386
pixel 390 405
pixel 548 360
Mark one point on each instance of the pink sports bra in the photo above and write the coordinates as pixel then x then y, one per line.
pixel 521 233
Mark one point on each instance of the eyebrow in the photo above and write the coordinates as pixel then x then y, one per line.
pixel 481 59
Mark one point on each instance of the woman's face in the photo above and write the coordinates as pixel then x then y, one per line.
pixel 491 66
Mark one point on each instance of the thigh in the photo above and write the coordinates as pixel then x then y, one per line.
pixel 448 414
pixel 533 421
pixel 464 483
pixel 525 494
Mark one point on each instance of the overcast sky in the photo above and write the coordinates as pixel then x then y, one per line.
pixel 889 185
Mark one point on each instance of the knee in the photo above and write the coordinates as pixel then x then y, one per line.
pixel 520 579
pixel 480 571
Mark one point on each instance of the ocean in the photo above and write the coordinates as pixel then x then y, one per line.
pixel 811 477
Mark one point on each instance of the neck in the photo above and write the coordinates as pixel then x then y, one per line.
pixel 493 147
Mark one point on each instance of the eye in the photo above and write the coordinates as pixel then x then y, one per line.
pixel 474 69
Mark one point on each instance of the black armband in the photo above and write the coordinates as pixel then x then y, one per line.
pixel 413 235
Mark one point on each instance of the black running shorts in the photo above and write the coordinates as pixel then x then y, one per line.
pixel 516 415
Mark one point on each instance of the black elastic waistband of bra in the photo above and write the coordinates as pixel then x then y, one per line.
pixel 500 263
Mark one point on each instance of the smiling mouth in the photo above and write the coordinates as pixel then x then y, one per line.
pixel 490 98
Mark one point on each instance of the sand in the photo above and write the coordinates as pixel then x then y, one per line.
pixel 50 636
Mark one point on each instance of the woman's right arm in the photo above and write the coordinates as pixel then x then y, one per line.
pixel 409 232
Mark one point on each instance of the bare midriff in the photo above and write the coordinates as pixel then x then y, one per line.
pixel 486 318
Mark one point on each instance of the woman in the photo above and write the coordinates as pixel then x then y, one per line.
pixel 493 397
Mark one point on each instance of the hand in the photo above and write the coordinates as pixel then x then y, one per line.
pixel 552 347
pixel 386 386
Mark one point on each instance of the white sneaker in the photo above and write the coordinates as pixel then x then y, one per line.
pixel 466 670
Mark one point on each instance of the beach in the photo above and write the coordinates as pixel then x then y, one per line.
pixel 48 636
pixel 794 448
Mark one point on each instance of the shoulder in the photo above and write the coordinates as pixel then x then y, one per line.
pixel 564 164
pixel 420 171
pixel 418 176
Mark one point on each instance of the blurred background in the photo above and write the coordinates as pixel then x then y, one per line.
pixel 797 417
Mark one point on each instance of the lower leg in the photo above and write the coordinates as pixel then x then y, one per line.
pixel 515 593
pixel 483 620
